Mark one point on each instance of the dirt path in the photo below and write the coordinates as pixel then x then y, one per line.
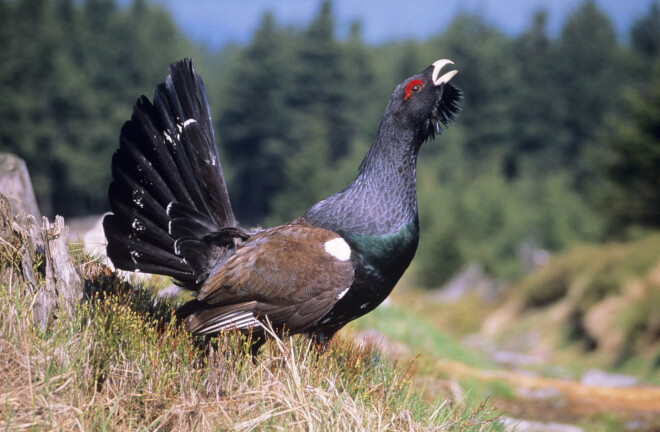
pixel 574 399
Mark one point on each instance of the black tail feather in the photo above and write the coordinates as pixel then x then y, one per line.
pixel 188 222
pixel 168 193
pixel 130 254
pixel 143 228
pixel 200 157
pixel 144 170
pixel 163 150
pixel 187 99
pixel 124 193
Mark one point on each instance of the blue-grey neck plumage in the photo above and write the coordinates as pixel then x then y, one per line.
pixel 383 196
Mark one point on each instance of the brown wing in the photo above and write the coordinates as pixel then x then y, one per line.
pixel 293 274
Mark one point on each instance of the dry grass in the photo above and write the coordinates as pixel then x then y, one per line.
pixel 119 363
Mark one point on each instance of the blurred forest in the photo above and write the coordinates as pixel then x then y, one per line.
pixel 558 141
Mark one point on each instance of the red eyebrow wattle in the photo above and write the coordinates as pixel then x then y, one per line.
pixel 410 85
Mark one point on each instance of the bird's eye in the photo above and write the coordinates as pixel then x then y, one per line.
pixel 413 86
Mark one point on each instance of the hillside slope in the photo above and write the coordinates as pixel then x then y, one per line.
pixel 601 301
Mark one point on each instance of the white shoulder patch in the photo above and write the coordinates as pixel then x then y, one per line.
pixel 338 248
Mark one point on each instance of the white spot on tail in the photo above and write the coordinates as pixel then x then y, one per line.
pixel 364 305
pixel 168 137
pixel 137 198
pixel 343 293
pixel 339 249
pixel 189 121
pixel 135 255
pixel 138 226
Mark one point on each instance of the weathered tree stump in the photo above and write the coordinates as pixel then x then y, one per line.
pixel 15 184
pixel 23 240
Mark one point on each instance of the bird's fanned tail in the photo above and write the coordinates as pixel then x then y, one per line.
pixel 168 194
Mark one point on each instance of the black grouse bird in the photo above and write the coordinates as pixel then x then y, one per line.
pixel 171 215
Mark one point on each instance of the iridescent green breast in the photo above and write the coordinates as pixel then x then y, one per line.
pixel 386 257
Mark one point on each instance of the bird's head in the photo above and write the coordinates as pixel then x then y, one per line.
pixel 426 101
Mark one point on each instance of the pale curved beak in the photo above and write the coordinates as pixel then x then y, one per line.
pixel 437 67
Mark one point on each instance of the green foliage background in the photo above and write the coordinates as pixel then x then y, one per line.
pixel 558 141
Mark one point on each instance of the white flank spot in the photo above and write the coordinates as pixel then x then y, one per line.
pixel 364 305
pixel 339 249
pixel 187 122
pixel 343 293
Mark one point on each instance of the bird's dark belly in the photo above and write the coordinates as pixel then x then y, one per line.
pixel 381 261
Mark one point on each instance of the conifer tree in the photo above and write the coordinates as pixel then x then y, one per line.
pixel 628 161
pixel 255 120
pixel 589 76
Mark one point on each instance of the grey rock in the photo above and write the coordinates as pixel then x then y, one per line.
pixel 520 425
pixel 599 378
